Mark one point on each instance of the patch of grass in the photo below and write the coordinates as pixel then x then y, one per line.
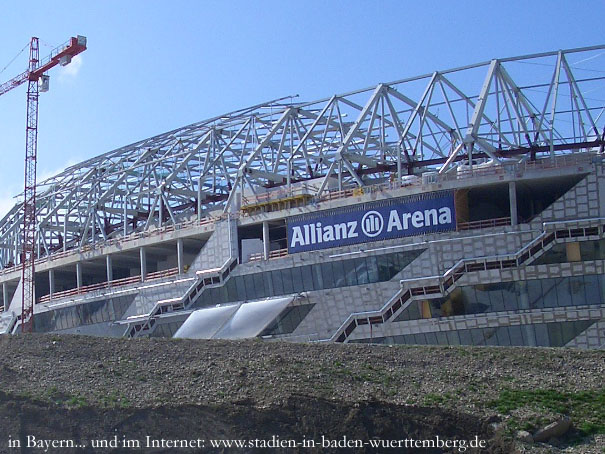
pixel 114 399
pixel 57 397
pixel 586 408
pixel 76 401
pixel 436 399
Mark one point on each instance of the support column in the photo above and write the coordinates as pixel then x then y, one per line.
pixel 266 240
pixel 51 283
pixel 512 195
pixel 109 266
pixel 79 274
pixel 5 296
pixel 179 255
pixel 126 217
pixel 143 257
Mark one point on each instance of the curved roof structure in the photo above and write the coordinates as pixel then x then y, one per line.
pixel 512 108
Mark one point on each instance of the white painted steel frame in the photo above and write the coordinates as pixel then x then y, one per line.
pixel 514 108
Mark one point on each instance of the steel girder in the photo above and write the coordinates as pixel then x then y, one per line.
pixel 512 108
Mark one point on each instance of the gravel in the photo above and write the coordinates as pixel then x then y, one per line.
pixel 75 372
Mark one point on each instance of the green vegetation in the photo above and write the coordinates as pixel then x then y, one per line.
pixel 432 399
pixel 63 399
pixel 586 408
pixel 114 400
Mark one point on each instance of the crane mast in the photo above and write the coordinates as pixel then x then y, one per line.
pixel 36 71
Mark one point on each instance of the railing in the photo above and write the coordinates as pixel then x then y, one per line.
pixel 145 323
pixel 442 285
pixel 120 240
pixel 515 169
pixel 107 284
pixel 277 254
pixel 483 224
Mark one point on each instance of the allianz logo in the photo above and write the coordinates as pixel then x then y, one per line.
pixel 372 224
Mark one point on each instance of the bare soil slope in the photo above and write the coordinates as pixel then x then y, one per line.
pixel 85 389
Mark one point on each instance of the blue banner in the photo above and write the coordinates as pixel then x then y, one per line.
pixel 376 221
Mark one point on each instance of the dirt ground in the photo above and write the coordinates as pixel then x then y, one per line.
pixel 106 395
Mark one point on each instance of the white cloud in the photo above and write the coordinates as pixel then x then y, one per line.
pixel 71 70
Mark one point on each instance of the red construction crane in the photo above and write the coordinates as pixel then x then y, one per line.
pixel 37 81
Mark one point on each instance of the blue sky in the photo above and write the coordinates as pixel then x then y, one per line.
pixel 152 66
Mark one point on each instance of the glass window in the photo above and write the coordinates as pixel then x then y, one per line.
pixel 453 337
pixel 569 330
pixel 306 274
pixel 241 288
pixel 394 267
pixel 555 334
pixel 534 294
pixel 490 335
pixel 441 338
pixel 549 291
pixel 361 270
pixel 465 337
pixel 503 336
pixel 478 336
pixel 431 339
pixel 231 290
pixel 297 279
pixel 436 307
pixel 278 286
pixel 541 334
pixel 576 290
pixel 496 297
pixel 268 278
pixel 465 302
pixel 339 274
pixel 420 339
pixel 286 275
pixel 350 272
pixel 317 277
pixel 327 276
pixel 414 310
pixel 591 285
pixel 563 292
pixel 384 266
pixel 250 289
pixel 259 285
pixel 510 297
pixel 515 335
pixel 372 268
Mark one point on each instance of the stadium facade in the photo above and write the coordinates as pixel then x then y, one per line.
pixel 461 207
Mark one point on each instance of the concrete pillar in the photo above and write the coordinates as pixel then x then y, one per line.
pixel 179 255
pixel 266 240
pixel 199 199
pixel 512 195
pixel 143 257
pixel 79 274
pixel 109 266
pixel 161 209
pixel 51 283
pixel 125 217
pixel 65 233
pixel 5 296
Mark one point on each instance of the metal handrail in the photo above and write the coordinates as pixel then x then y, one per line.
pixel 450 274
